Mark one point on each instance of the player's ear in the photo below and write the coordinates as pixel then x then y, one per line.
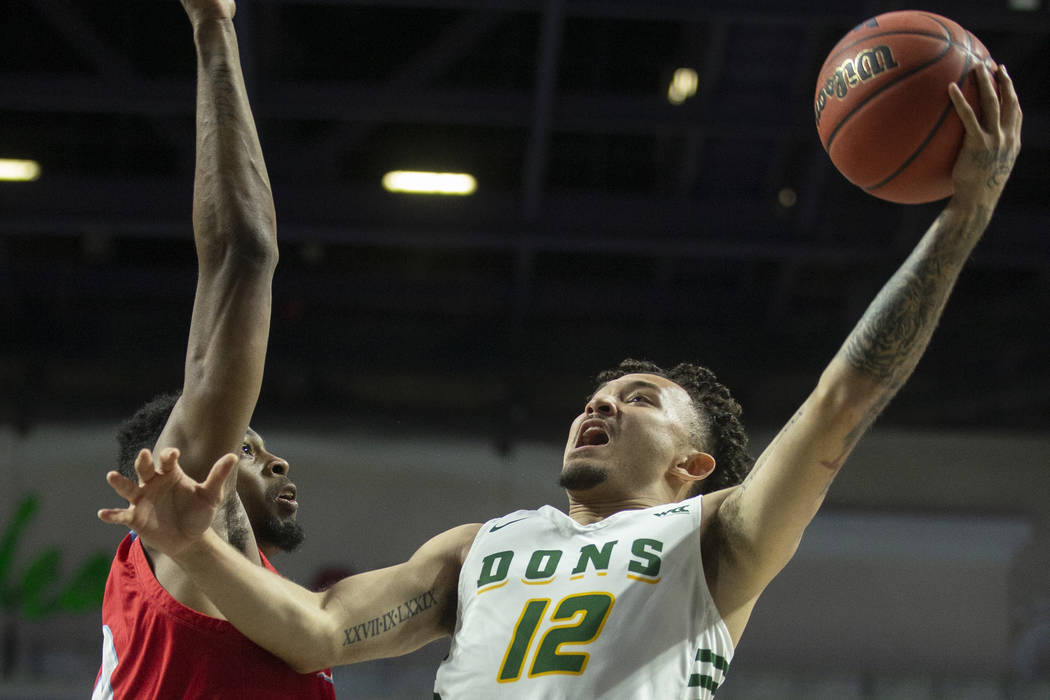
pixel 695 466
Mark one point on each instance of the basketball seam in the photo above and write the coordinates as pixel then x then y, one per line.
pixel 869 98
pixel 911 32
pixel 951 42
pixel 933 131
pixel 895 32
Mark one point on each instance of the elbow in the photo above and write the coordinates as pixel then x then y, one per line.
pixel 244 248
pixel 255 240
pixel 242 228
pixel 310 657
pixel 304 667
pixel 845 393
pixel 257 248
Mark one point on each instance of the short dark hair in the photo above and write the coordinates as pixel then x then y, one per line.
pixel 143 430
pixel 720 431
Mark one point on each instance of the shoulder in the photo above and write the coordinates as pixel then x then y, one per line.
pixel 451 546
pixel 711 507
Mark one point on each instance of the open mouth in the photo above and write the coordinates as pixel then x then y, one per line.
pixel 592 434
pixel 287 496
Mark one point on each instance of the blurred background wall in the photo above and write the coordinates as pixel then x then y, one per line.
pixel 915 578
pixel 427 354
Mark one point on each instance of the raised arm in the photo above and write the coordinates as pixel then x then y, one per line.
pixel 378 614
pixel 234 230
pixel 756 526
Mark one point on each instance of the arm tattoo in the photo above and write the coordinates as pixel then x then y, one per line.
pixel 998 166
pixel 896 328
pixel 390 619
pixel 897 321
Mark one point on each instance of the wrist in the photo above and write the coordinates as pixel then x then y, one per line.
pixel 206 23
pixel 967 205
pixel 199 552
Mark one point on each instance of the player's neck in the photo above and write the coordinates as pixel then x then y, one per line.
pixel 589 509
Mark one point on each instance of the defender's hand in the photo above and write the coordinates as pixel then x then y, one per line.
pixel 209 9
pixel 991 144
pixel 169 510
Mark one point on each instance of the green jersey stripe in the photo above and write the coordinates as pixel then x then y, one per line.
pixel 696 680
pixel 708 656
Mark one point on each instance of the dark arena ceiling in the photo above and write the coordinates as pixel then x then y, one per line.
pixel 607 221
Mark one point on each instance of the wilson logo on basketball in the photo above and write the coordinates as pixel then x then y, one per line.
pixel 866 65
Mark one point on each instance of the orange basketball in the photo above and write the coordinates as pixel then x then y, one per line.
pixel 882 106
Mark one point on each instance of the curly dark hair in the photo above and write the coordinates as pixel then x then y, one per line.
pixel 720 431
pixel 143 430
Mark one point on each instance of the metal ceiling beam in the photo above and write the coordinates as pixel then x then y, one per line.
pixel 976 15
pixel 548 54
pixel 585 113
pixel 549 239
pixel 115 69
pixel 357 104
pixel 451 46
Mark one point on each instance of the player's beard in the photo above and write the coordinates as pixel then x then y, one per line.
pixel 286 535
pixel 238 529
pixel 581 477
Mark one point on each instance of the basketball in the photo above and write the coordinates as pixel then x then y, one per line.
pixel 882 107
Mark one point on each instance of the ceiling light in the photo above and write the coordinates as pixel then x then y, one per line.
pixel 421 182
pixel 683 85
pixel 19 170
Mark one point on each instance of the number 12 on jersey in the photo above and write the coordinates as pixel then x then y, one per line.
pixel 584 616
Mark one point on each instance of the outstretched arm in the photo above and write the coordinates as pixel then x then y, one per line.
pixel 377 614
pixel 234 229
pixel 758 524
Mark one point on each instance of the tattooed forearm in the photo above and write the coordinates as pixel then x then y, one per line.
pixel 390 619
pixel 896 328
pixel 899 320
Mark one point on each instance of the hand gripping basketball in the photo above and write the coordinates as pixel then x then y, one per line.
pixel 881 108
pixel 169 510
pixel 992 141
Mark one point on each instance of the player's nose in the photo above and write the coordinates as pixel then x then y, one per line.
pixel 602 404
pixel 278 466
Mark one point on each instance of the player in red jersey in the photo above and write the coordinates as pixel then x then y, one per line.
pixel 162 637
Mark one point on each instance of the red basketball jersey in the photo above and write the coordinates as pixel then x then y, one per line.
pixel 155 647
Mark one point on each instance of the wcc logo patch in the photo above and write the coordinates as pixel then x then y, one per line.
pixel 680 510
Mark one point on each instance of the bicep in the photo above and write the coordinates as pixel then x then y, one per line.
pixel 393 611
pixel 225 356
pixel 760 522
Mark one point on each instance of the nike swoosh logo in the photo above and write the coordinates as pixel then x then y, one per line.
pixel 503 525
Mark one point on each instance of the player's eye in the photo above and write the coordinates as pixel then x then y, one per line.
pixel 247 450
pixel 638 398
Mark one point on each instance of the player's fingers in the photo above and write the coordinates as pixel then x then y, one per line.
pixel 125 487
pixel 144 466
pixel 114 516
pixel 989 99
pixel 220 471
pixel 1011 109
pixel 169 459
pixel 963 109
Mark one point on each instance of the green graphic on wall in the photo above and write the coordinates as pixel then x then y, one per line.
pixel 38 592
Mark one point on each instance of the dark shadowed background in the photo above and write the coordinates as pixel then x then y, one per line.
pixel 607 222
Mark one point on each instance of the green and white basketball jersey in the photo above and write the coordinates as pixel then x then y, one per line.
pixel 549 608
